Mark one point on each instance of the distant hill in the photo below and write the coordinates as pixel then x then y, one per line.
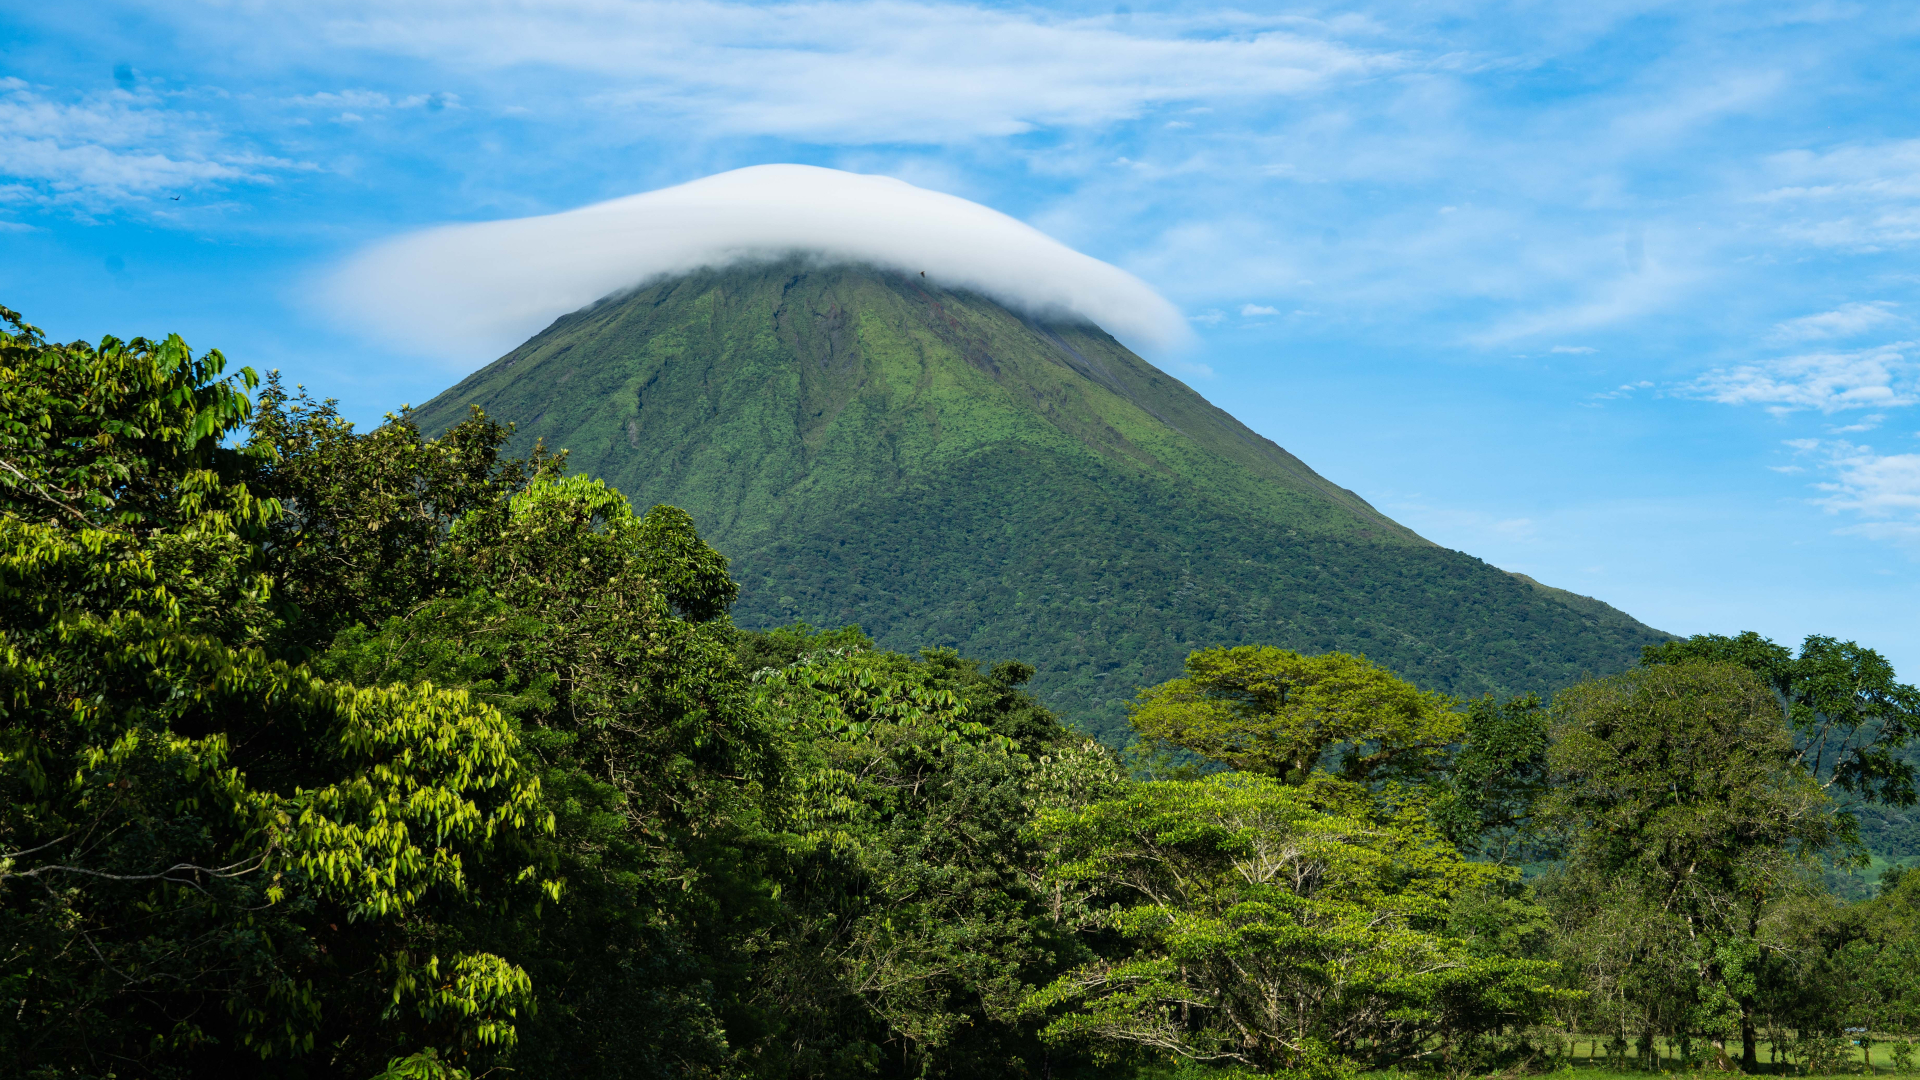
pixel 944 471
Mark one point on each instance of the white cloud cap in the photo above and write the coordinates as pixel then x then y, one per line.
pixel 471 292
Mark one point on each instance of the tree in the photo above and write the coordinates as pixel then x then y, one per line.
pixel 1278 713
pixel 208 855
pixel 127 434
pixel 1486 791
pixel 1850 715
pixel 367 516
pixel 340 746
pixel 1273 926
pixel 1690 821
pixel 601 634
pixel 1861 966
pixel 914 928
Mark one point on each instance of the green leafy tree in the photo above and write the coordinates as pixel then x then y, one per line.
pixel 1870 968
pixel 915 926
pixel 1273 926
pixel 601 634
pixel 126 433
pixel 1849 714
pixel 210 859
pixel 1278 713
pixel 1691 827
pixel 367 516
pixel 1487 789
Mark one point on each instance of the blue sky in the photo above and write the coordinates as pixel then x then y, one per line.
pixel 1622 296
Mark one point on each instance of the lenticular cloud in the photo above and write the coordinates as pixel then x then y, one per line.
pixel 470 292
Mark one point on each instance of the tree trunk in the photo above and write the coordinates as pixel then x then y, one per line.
pixel 1749 1042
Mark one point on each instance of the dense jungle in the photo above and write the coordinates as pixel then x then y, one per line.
pixel 329 753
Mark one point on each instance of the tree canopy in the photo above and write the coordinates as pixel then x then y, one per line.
pixel 1275 926
pixel 1849 714
pixel 340 754
pixel 191 820
pixel 1279 713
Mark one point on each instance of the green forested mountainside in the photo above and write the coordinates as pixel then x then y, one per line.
pixel 1107 580
pixel 871 448
pixel 756 396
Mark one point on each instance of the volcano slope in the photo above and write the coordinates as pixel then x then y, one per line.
pixel 870 448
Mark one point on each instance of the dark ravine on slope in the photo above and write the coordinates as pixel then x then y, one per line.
pixel 870 448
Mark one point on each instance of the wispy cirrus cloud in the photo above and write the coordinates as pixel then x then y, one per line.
pixel 1624 390
pixel 1882 491
pixel 1829 382
pixel 374 100
pixel 1863 196
pixel 99 150
pixel 1865 423
pixel 1352 123
pixel 869 71
pixel 1879 491
pixel 1845 321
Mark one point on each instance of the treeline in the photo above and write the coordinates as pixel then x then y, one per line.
pixel 330 754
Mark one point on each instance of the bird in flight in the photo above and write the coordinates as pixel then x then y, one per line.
pixel 176 198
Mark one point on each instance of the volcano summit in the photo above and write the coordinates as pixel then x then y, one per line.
pixel 871 446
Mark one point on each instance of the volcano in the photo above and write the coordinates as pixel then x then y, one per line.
pixel 868 446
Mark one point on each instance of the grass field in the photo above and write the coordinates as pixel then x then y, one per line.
pixel 1589 1055
pixel 1600 1071
pixel 1597 1067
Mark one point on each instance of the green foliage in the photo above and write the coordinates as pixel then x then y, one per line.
pixel 1488 791
pixel 1853 724
pixel 126 434
pixel 600 633
pixel 368 514
pixel 1671 770
pixel 188 822
pixel 943 471
pixel 1692 834
pixel 915 929
pixel 346 755
pixel 1851 717
pixel 425 1065
pixel 1273 925
pixel 1278 713
pixel 1872 961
